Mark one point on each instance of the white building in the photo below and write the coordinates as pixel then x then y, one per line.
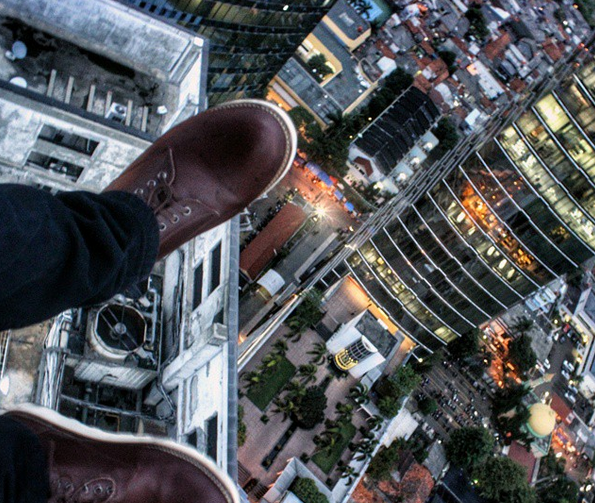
pixel 106 81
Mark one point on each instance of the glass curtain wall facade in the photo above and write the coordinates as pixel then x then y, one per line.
pixel 515 215
pixel 249 40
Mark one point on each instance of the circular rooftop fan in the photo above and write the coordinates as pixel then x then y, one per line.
pixel 118 330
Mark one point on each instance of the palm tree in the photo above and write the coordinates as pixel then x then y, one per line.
pixel 295 334
pixel 319 353
pixel 326 441
pixel 295 389
pixel 280 347
pixel 284 406
pixel 359 394
pixel 307 372
pixel 345 411
pixel 375 422
pixel 269 362
pixel 347 472
pixel 252 379
pixel 365 451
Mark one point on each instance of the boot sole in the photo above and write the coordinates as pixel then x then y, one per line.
pixel 43 415
pixel 286 124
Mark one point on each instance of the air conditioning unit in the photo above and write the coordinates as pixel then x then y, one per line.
pixel 117 112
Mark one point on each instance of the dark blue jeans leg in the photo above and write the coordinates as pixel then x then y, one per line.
pixel 23 465
pixel 69 250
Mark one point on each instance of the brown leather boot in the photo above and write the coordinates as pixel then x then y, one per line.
pixel 91 466
pixel 210 167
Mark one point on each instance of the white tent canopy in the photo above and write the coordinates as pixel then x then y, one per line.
pixel 272 282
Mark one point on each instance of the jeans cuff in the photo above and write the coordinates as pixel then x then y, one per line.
pixel 148 221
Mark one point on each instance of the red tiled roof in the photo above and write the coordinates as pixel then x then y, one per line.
pixel 427 47
pixel 422 83
pixel 364 495
pixel 524 457
pixel 560 408
pixel 415 486
pixel 364 163
pixel 411 27
pixel 552 50
pixel 460 44
pixel 263 248
pixel 517 85
pixel 382 47
pixel 495 48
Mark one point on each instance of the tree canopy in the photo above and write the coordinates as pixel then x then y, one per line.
pixel 560 490
pixel 385 461
pixel 501 480
pixel 465 346
pixel 469 447
pixel 306 490
pixel 311 407
pixel 319 67
pixel 521 353
pixel 447 135
pixel 393 388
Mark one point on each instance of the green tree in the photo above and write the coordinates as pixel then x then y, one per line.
pixel 449 58
pixel 375 422
pixel 242 431
pixel 307 313
pixel 560 490
pixel 447 135
pixel 501 480
pixel 285 406
pixel 319 67
pixel 469 447
pixel 311 408
pixel 280 347
pixel 359 394
pixel 305 489
pixel 465 346
pixel 508 398
pixel 319 353
pixel 522 325
pixel 385 461
pixel 427 405
pixel 347 472
pixel 521 353
pixel 400 384
pixel 389 407
pixel 477 20
pixel 295 390
pixel 307 372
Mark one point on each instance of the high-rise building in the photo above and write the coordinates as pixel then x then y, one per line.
pixel 249 41
pixel 85 87
pixel 516 214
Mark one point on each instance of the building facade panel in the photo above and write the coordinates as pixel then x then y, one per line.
pixel 249 41
pixel 510 219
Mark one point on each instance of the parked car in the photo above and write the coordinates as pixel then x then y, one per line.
pixel 568 366
pixel 565 374
pixel 572 390
pixel 547 364
pixel 570 398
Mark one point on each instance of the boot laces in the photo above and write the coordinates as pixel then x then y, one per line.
pixel 160 196
pixel 63 490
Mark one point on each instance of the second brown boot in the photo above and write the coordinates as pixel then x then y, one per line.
pixel 210 167
pixel 86 465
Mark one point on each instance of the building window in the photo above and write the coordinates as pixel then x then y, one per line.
pixel 68 140
pixel 197 293
pixel 71 171
pixel 215 267
pixel 212 429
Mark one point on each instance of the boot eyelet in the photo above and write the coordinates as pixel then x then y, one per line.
pixel 187 210
pixel 151 183
pixel 175 219
pixel 139 192
pixel 162 227
pixel 162 175
pixel 98 490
